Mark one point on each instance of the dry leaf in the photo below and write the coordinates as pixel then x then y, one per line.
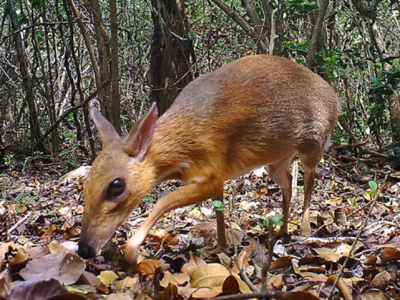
pixel 210 275
pixel 179 279
pixel 64 267
pixel 149 266
pixel 107 277
pixel 300 295
pixel 55 247
pixel 119 296
pixel 193 264
pixel 374 295
pixel 381 280
pixel 126 283
pixel 230 286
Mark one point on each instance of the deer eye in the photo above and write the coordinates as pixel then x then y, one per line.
pixel 116 188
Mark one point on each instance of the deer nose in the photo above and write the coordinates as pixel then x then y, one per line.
pixel 85 250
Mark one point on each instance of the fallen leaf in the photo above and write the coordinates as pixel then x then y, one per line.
pixel 300 295
pixel 194 263
pixel 65 267
pixel 107 277
pixel 149 266
pixel 178 279
pixel 126 283
pixel 390 254
pixel 210 275
pixel 37 289
pixel 119 296
pixel 230 286
pixel 381 280
pixel 374 294
pixel 55 247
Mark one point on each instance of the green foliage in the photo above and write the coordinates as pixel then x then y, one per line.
pixel 218 205
pixel 276 221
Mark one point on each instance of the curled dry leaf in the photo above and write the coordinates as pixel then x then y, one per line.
pixel 170 293
pixel 194 263
pixel 149 266
pixel 126 283
pixel 176 279
pixel 20 259
pixel 64 267
pixel 90 279
pixel 281 262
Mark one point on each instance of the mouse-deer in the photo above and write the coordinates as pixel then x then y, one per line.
pixel 258 110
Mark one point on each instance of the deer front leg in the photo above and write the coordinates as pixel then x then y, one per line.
pixel 192 193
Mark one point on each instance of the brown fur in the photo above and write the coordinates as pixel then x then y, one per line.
pixel 258 110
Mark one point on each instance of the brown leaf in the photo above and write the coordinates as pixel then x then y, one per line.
pixel 194 263
pixel 170 293
pixel 199 293
pixel 210 275
pixel 179 279
pixel 275 282
pixel 149 266
pixel 390 254
pixel 281 262
pixel 230 286
pixel 300 295
pixel 374 294
pixel 64 267
pixel 381 280
pixel 36 289
pixel 90 279
pixel 126 284
pixel 20 259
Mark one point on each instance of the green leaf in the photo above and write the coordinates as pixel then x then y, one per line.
pixel 30 200
pixel 149 199
pixel 19 197
pixel 373 185
pixel 218 205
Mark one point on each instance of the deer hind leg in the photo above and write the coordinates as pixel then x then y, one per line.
pixel 310 160
pixel 279 172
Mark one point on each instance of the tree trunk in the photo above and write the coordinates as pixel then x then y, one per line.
pixel 26 80
pixel 115 96
pixel 171 51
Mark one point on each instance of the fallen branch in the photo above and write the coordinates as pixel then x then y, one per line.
pixel 16 225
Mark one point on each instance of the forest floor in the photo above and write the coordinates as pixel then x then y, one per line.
pixel 355 225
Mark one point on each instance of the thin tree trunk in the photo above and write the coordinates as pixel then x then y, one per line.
pixel 27 81
pixel 115 97
pixel 316 33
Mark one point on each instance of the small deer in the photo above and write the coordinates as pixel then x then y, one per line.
pixel 255 111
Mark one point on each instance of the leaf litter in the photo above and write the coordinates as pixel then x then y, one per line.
pixel 41 216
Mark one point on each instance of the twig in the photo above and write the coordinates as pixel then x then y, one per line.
pixel 242 271
pixel 19 222
pixel 259 295
pixel 267 265
pixel 356 240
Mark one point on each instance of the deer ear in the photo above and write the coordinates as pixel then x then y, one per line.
pixel 106 130
pixel 138 141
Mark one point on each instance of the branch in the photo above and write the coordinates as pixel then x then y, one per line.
pixel 242 23
pixel 64 115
